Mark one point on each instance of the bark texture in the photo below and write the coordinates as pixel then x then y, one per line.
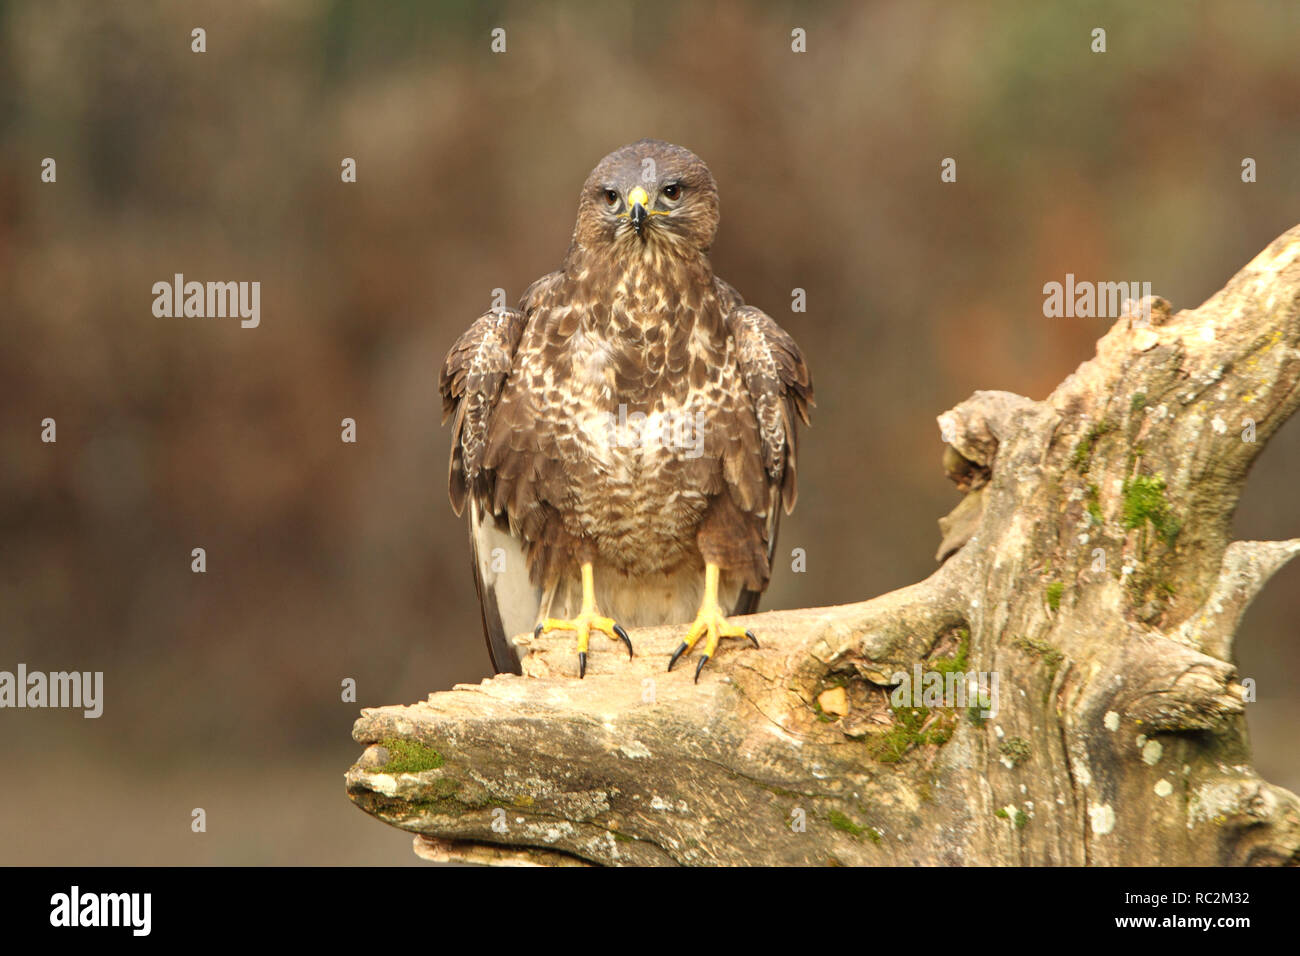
pixel 1089 568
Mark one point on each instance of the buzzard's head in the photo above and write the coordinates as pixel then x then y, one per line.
pixel 649 195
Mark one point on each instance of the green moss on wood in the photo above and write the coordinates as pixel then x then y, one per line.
pixel 841 822
pixel 1037 647
pixel 445 787
pixel 910 730
pixel 1093 504
pixel 408 756
pixel 956 664
pixel 1015 749
pixel 975 712
pixel 1018 820
pixel 1082 459
pixel 1054 592
pixel 1145 504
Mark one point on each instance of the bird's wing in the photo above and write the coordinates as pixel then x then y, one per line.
pixel 470 384
pixel 780 388
pixel 473 375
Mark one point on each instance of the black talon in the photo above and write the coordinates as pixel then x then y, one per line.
pixel 622 636
pixel 537 631
pixel 582 664
pixel 676 654
pixel 750 634
pixel 700 666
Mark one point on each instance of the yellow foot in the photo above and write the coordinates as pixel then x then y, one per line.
pixel 713 622
pixel 584 624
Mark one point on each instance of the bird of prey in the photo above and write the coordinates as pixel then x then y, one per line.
pixel 625 438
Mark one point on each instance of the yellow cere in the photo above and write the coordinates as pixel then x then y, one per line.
pixel 638 196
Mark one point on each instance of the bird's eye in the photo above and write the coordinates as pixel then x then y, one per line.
pixel 611 197
pixel 672 190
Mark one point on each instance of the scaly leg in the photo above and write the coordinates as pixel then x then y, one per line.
pixel 711 621
pixel 588 619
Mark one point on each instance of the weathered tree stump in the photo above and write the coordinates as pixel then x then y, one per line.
pixel 1089 568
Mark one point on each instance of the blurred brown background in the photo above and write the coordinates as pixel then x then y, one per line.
pixel 328 560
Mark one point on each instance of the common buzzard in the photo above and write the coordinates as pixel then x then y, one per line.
pixel 625 438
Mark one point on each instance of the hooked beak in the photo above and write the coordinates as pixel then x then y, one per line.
pixel 637 201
